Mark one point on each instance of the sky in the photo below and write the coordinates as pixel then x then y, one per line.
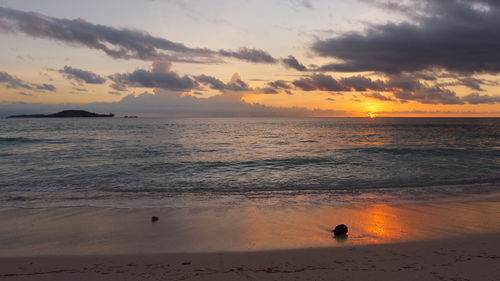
pixel 251 58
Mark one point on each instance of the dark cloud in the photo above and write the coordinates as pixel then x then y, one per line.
pixel 25 94
pixel 472 83
pixel 114 93
pixel 403 87
pixel 361 83
pixel 292 62
pixel 167 80
pixel 81 75
pixel 44 87
pixel 467 81
pixel 117 43
pixel 274 87
pixel 305 84
pixel 406 87
pixel 455 10
pixel 248 54
pixel 280 84
pixel 425 76
pixel 160 76
pixel 404 82
pixel 455 35
pixel 236 83
pixel 214 83
pixel 378 96
pixel 16 83
pixel 319 82
pixel 476 98
pixel 13 82
pixel 430 95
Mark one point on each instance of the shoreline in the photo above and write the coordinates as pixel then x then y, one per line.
pixel 451 240
pixel 251 198
pixel 102 230
pixel 474 257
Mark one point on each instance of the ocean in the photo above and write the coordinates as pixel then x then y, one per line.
pixel 182 162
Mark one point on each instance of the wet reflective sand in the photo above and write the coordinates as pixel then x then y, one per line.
pixel 76 230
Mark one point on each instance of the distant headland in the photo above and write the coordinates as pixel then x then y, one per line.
pixel 64 114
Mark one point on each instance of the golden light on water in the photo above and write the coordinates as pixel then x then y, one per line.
pixel 298 227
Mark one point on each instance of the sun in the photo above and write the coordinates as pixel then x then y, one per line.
pixel 373 115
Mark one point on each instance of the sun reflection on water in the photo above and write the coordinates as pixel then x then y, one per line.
pixel 296 227
pixel 311 226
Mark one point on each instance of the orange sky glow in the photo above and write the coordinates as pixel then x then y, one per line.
pixel 305 63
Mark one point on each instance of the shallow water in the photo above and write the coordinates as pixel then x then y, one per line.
pixel 198 161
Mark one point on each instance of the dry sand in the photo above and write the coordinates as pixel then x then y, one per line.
pixel 430 241
pixel 472 258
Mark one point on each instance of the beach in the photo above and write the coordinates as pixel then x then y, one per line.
pixel 449 240
pixel 250 199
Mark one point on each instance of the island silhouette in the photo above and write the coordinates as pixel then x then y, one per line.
pixel 64 114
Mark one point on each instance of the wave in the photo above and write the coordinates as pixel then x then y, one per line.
pixel 342 156
pixel 431 151
pixel 195 198
pixel 349 187
pixel 24 140
pixel 18 140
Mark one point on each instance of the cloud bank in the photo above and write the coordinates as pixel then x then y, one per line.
pixel 16 83
pixel 292 62
pixel 81 75
pixel 403 88
pixel 119 43
pixel 252 55
pixel 171 104
pixel 236 83
pixel 459 36
pixel 159 77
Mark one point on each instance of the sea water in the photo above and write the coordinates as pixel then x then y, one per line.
pixel 151 162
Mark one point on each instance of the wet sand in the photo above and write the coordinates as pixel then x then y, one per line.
pixel 424 241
